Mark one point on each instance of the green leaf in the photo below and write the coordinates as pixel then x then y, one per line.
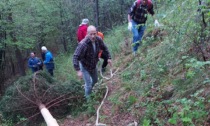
pixel 186 119
pixel 172 121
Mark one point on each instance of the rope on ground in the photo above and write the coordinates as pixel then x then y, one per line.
pixel 107 90
pixel 98 114
pixel 111 74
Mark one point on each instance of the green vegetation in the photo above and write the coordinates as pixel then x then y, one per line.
pixel 167 83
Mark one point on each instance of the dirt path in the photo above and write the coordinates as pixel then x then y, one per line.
pixel 111 112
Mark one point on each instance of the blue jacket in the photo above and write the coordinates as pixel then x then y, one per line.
pixel 49 63
pixel 34 63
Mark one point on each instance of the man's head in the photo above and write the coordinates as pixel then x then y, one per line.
pixel 144 2
pixel 32 54
pixel 44 49
pixel 92 33
pixel 85 21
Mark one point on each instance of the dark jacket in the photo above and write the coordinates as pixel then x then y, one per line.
pixel 86 55
pixel 139 12
pixel 35 64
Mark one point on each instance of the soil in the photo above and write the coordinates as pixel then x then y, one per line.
pixel 110 113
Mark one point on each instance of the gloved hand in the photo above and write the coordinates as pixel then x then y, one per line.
pixel 157 24
pixel 129 26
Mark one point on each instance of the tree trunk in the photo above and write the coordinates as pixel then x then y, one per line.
pixel 63 39
pixel 18 54
pixel 20 61
pixel 2 57
pixel 50 121
pixel 97 13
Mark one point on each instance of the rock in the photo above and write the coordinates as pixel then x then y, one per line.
pixel 133 124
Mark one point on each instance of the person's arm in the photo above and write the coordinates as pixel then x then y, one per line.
pixel 30 64
pixel 131 11
pixel 104 47
pixel 39 61
pixel 79 34
pixel 48 57
pixel 78 55
pixel 129 18
pixel 151 11
pixel 84 33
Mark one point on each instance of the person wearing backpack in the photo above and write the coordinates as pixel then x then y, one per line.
pixel 103 55
pixel 137 17
pixel 34 62
pixel 85 58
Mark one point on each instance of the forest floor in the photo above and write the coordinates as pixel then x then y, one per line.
pixel 111 112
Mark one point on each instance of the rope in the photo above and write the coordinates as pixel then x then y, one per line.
pixel 107 90
pixel 97 118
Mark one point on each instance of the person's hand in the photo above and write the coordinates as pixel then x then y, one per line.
pixel 129 26
pixel 79 74
pixel 157 24
pixel 110 62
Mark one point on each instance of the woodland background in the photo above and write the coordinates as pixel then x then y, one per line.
pixel 166 84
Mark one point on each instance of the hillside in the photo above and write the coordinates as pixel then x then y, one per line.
pixel 166 84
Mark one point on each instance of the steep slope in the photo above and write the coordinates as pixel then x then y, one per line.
pixel 167 83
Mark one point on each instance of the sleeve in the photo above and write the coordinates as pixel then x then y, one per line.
pixel 104 48
pixel 79 34
pixel 48 57
pixel 78 55
pixel 133 7
pixel 151 10
pixel 39 60
pixel 84 32
pixel 43 56
pixel 30 64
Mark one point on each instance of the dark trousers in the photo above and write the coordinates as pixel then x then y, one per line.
pixel 105 58
pixel 50 71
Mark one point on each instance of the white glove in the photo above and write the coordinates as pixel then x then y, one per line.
pixel 157 24
pixel 129 26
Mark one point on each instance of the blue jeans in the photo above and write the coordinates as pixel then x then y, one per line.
pixel 138 32
pixel 90 79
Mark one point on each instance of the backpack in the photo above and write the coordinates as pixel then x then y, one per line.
pixel 149 3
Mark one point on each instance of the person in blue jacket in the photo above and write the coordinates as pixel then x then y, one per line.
pixel 34 62
pixel 48 62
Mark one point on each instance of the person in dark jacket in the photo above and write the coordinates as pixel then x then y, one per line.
pixel 102 54
pixel 82 30
pixel 85 58
pixel 34 62
pixel 48 62
pixel 137 17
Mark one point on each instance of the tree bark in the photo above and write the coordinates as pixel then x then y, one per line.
pixel 97 13
pixel 2 57
pixel 63 39
pixel 18 54
pixel 50 121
